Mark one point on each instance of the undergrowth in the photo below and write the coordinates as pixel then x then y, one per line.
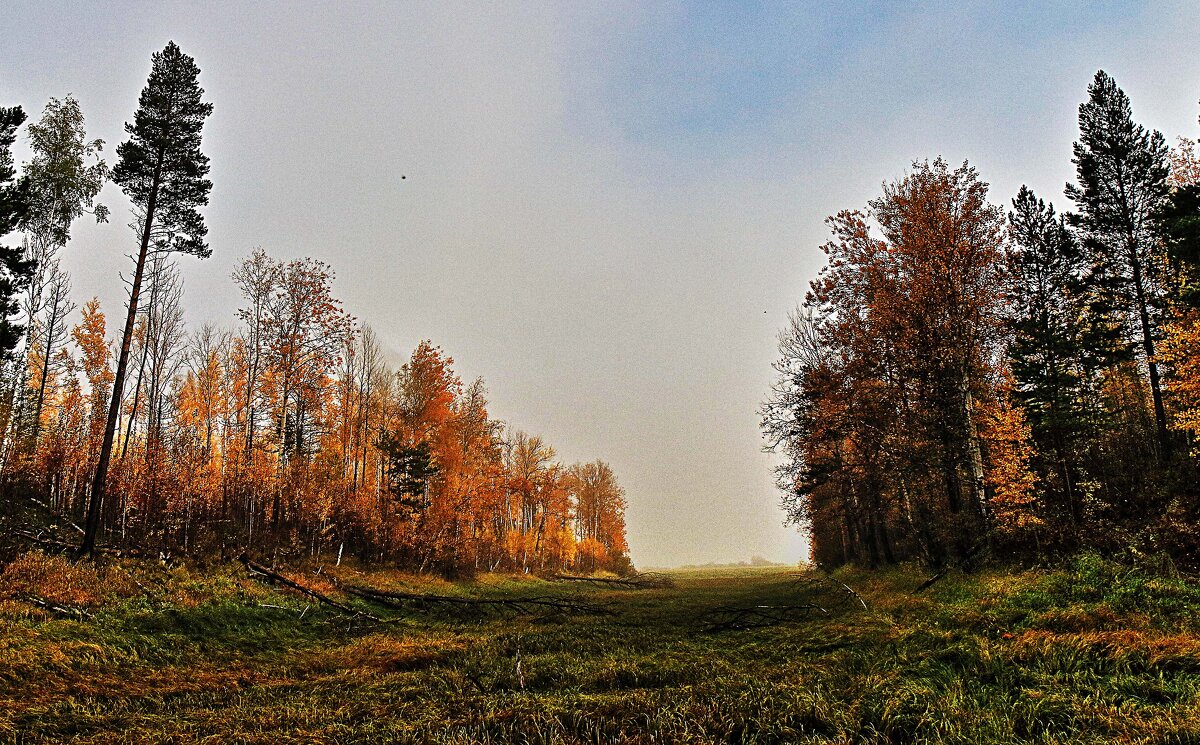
pixel 1095 652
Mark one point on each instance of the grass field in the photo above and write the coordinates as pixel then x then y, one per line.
pixel 1096 653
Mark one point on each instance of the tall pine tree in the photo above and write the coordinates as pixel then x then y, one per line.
pixel 1122 171
pixel 14 205
pixel 1047 354
pixel 163 172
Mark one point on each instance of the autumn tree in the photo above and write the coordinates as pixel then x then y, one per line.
pixel 1185 163
pixel 51 333
pixel 65 175
pixel 599 506
pixel 257 277
pixel 305 331
pixel 538 504
pixel 1180 348
pixel 888 375
pixel 946 244
pixel 89 337
pixel 62 182
pixel 163 171
pixel 421 453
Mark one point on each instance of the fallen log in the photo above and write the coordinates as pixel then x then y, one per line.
pixel 258 571
pixel 58 610
pixel 647 581
pixel 54 544
pixel 521 605
pixel 963 563
pixel 44 541
pixel 731 618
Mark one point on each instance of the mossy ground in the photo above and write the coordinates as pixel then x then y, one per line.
pixel 1094 653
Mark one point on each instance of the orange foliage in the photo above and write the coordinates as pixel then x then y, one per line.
pixel 294 436
pixel 1006 436
pixel 1180 350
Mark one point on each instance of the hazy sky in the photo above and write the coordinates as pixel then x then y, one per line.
pixel 609 208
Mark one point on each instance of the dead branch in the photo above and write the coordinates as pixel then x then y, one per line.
pixel 834 593
pixel 521 605
pixel 44 541
pixel 852 593
pixel 731 618
pixel 963 563
pixel 54 544
pixel 260 572
pixel 58 610
pixel 647 581
pixel 931 581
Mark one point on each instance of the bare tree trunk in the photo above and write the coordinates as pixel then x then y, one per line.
pixel 1160 412
pixel 41 394
pixel 974 454
pixel 96 498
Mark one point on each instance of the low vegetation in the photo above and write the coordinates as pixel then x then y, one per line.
pixel 134 651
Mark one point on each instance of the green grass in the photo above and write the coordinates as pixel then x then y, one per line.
pixel 1094 653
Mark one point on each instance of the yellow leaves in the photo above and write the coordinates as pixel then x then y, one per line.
pixel 1180 351
pixel 274 437
pixel 1007 438
pixel 89 337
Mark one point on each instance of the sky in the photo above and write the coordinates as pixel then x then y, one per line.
pixel 604 209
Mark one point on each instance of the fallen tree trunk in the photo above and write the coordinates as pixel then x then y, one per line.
pixel 44 541
pixel 522 605
pixel 258 571
pixel 58 610
pixel 729 618
pixel 54 544
pixel 648 581
pixel 965 562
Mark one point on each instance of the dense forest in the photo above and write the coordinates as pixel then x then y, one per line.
pixel 287 434
pixel 962 377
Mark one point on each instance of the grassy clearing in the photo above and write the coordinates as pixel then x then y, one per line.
pixel 1095 654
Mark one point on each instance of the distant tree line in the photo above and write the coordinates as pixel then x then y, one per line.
pixel 288 434
pixel 959 378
